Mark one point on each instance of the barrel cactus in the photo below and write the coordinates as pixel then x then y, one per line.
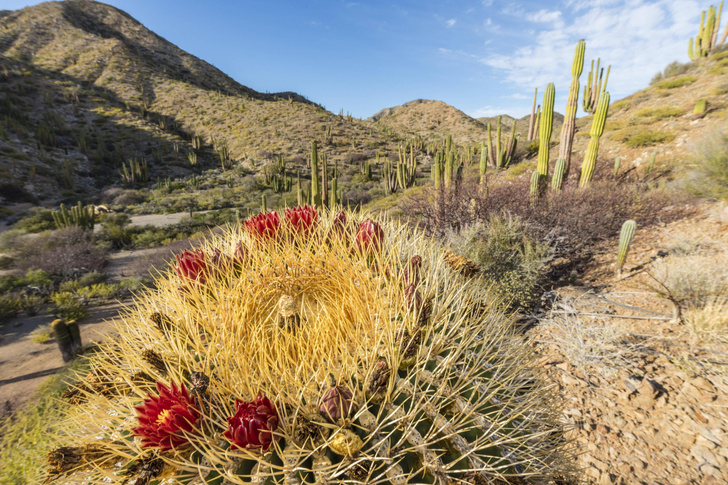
pixel 313 348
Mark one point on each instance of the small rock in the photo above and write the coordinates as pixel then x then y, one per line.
pixel 603 430
pixel 710 434
pixel 704 455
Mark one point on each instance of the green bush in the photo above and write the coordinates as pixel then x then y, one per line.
pixel 114 228
pixel 658 113
pixel 506 256
pixel 675 68
pixel 636 136
pixel 10 306
pixel 677 83
pixel 39 220
pixel 69 306
pixel 103 291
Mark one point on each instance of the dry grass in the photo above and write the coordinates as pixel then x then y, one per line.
pixel 42 334
pixel 709 321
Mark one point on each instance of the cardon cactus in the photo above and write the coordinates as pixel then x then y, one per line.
pixel 567 129
pixel 544 131
pixel 398 371
pixel 558 178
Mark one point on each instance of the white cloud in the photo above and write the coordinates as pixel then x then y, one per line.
pixel 488 111
pixel 544 16
pixel 637 37
pixel 487 3
pixel 450 22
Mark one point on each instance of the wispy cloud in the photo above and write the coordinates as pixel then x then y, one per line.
pixel 450 22
pixel 637 37
pixel 488 111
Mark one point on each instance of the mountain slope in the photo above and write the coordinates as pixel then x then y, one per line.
pixel 84 84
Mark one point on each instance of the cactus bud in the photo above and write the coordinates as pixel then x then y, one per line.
pixel 337 403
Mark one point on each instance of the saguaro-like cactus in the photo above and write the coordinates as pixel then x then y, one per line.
pixel 315 352
pixel 707 39
pixel 625 240
pixel 79 215
pixel 536 185
pixel 594 87
pixel 315 187
pixel 532 119
pixel 597 128
pixel 617 163
pixel 544 132
pixel 567 129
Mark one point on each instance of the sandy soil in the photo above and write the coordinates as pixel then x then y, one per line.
pixel 25 364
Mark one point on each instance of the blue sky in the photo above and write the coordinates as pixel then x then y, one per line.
pixel 484 57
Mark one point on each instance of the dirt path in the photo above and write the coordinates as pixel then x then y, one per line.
pixel 24 364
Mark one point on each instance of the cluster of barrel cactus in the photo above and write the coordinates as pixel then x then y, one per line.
pixel 309 347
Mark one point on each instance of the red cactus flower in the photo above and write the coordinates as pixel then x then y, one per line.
pixel 221 262
pixel 191 265
pixel 164 418
pixel 369 237
pixel 253 424
pixel 302 219
pixel 263 225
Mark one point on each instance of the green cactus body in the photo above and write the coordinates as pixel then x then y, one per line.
pixel 544 133
pixel 590 158
pixel 334 192
pixel 617 163
pixel 701 106
pixel 651 167
pixel 449 167
pixel 558 177
pixel 532 119
pixel 567 129
pixel 491 154
pixel 315 187
pixel 431 383
pixel 625 240
pixel 63 338
pixel 498 152
pixel 437 175
pixel 535 187
pixel 75 333
pixel 510 148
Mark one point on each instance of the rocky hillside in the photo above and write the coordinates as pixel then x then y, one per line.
pixel 85 88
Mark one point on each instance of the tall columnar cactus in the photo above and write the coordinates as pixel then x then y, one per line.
pixel 544 132
pixel 597 128
pixel 483 166
pixel 63 338
pixel 449 169
pixel 389 177
pixel 532 119
pixel 315 187
pixel 707 39
pixel 617 163
pixel 79 215
pixel 558 178
pixel 315 350
pixel 594 87
pixel 567 129
pixel 625 240
pixel 503 154
pixel 406 166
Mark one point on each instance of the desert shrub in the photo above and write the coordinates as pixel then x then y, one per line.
pixel 531 149
pixel 675 68
pixel 710 320
pixel 658 113
pixel 64 254
pixel 710 166
pixel 103 291
pixel 9 282
pixel 677 83
pixel 636 136
pixel 10 306
pixel 39 220
pixel 32 304
pixel 114 228
pixel 513 261
pixel 41 335
pixel 68 306
pixel 575 217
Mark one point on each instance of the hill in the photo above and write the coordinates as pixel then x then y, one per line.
pixel 85 89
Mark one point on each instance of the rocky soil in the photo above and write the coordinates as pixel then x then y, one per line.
pixel 645 398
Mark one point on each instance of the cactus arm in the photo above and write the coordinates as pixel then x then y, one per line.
pixel 597 128
pixel 625 240
pixel 532 119
pixel 558 176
